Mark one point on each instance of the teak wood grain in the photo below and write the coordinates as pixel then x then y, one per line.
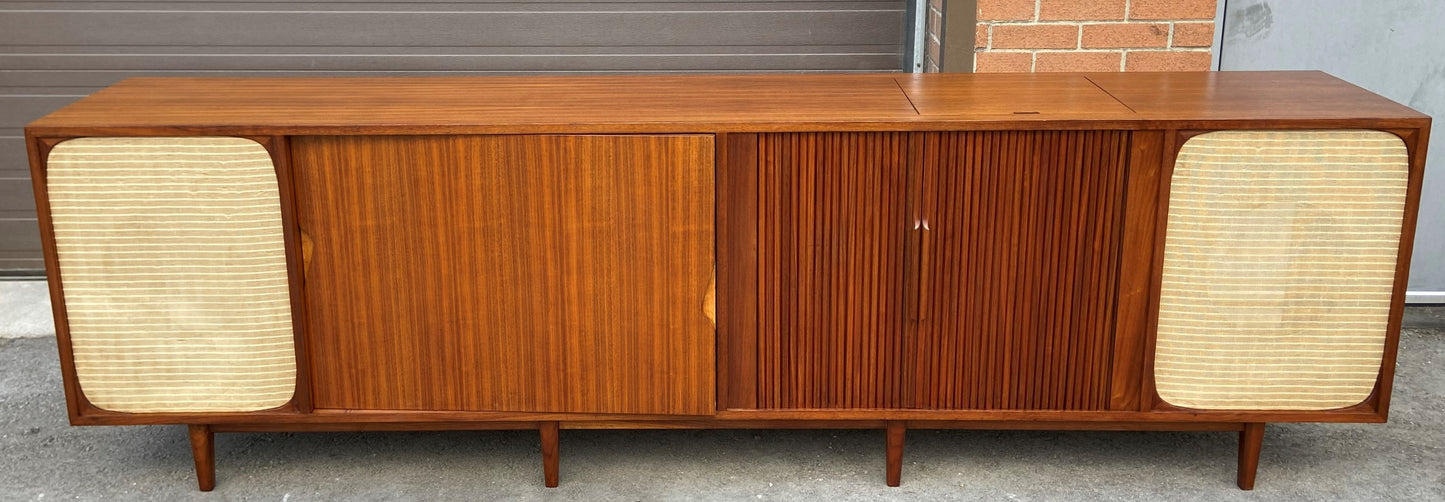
pixel 203 452
pixel 720 103
pixel 1251 439
pixel 509 273
pixel 322 417
pixel 1019 262
pixel 430 105
pixel 1416 144
pixel 831 223
pixel 893 467
pixel 1010 96
pixel 737 269
pixel 710 423
pixel 1265 98
pixel 1134 303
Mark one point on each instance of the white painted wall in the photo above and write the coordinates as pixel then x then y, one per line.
pixel 1395 48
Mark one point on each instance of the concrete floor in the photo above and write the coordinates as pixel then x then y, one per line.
pixel 43 458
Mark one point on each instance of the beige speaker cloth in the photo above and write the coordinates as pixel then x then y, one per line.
pixel 1279 263
pixel 173 271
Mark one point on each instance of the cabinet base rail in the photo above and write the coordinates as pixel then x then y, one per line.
pixel 202 437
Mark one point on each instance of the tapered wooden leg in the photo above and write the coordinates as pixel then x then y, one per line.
pixel 1250 441
pixel 549 454
pixel 895 452
pixel 203 449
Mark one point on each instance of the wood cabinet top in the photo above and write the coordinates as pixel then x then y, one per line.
pixel 1283 95
pixel 1010 96
pixel 456 105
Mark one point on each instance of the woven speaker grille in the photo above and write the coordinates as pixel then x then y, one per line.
pixel 1279 263
pixel 173 269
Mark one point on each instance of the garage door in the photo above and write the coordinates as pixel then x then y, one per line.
pixel 54 52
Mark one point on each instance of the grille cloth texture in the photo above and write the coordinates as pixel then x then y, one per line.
pixel 173 272
pixel 1279 265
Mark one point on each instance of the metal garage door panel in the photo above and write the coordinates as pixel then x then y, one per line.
pixel 453 28
pixel 52 53
pixel 105 67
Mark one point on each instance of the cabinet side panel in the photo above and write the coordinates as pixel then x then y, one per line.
pixel 1279 268
pixel 173 262
pixel 1136 259
pixel 1021 246
pixel 509 273
pixel 737 269
pixel 832 216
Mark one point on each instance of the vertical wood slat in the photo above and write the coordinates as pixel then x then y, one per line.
pixel 1021 319
pixel 1033 222
pixel 831 215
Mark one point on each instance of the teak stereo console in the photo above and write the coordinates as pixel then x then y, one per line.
pixel 1167 251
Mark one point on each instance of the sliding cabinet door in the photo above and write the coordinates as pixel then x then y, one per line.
pixel 509 273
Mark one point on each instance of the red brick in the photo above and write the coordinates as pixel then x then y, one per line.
pixel 1171 9
pixel 1005 10
pixel 934 22
pixel 980 36
pixel 1193 34
pixel 933 50
pixel 1167 61
pixel 1078 61
pixel 1081 10
pixel 1035 36
pixel 1117 35
pixel 994 62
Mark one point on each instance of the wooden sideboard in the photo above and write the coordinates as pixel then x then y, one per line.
pixel 1155 251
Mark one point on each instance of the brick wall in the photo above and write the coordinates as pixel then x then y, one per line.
pixel 933 44
pixel 1093 35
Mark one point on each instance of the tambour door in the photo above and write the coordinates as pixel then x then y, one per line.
pixel 1019 246
pixel 832 210
pixel 968 270
pixel 509 273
